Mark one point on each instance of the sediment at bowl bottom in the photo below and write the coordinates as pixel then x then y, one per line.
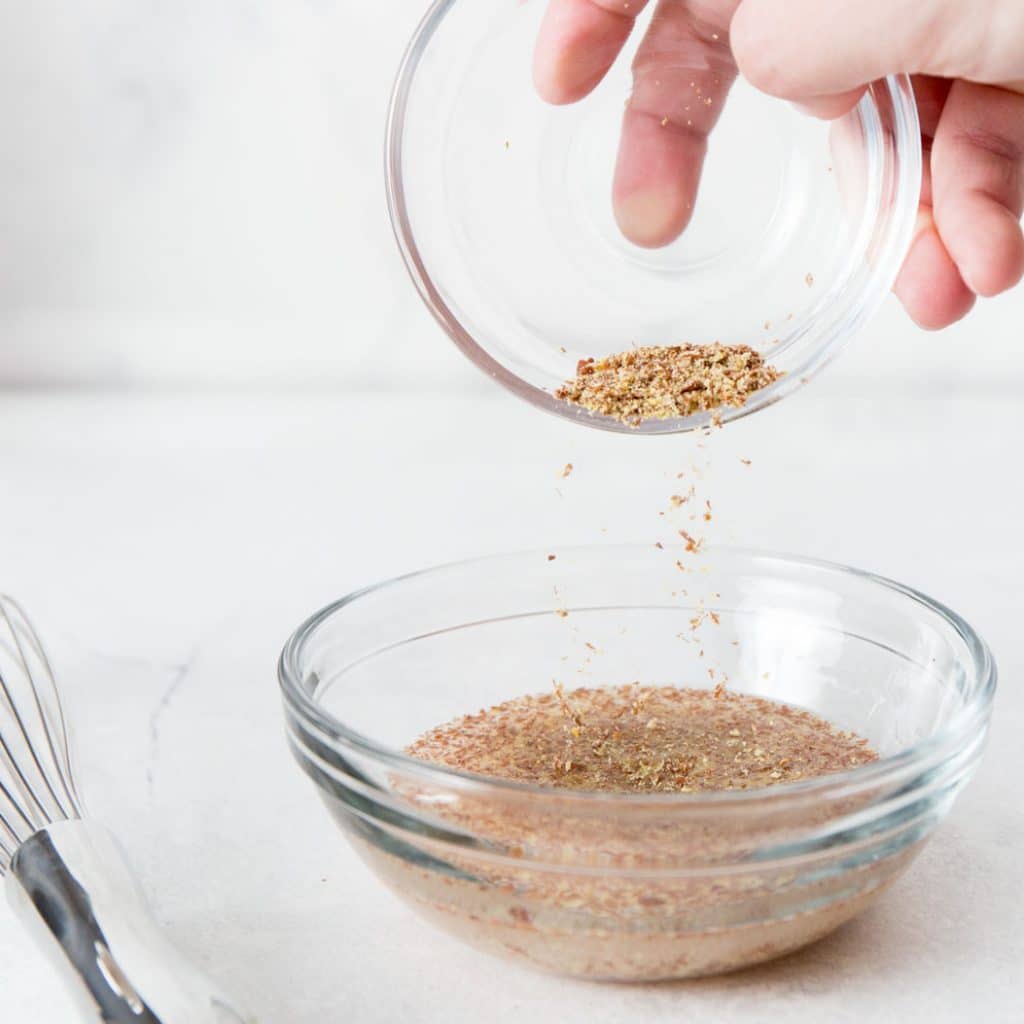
pixel 518 923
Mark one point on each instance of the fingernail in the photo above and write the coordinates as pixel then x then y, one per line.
pixel 650 217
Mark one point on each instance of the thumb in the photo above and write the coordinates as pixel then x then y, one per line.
pixel 798 49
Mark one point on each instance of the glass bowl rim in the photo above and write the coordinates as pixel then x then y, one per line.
pixel 856 311
pixel 968 724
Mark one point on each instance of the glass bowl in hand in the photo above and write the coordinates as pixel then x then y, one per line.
pixel 502 208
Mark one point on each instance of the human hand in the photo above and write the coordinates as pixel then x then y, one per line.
pixel 967 59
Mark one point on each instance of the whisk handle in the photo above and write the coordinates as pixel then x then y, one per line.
pixel 71 885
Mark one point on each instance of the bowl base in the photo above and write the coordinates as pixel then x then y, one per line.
pixel 506 923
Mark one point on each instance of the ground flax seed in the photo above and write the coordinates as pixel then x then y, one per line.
pixel 644 739
pixel 597 891
pixel 664 382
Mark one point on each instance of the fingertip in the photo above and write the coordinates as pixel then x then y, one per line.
pixel 988 246
pixel 560 78
pixel 930 286
pixel 551 91
pixel 656 178
pixel 578 43
pixel 652 217
pixel 932 316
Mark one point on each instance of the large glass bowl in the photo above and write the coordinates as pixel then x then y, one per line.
pixel 502 209
pixel 636 887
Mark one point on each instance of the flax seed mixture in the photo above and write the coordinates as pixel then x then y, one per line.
pixel 645 740
pixel 595 892
pixel 663 382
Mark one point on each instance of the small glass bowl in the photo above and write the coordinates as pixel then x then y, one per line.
pixel 501 207
pixel 636 887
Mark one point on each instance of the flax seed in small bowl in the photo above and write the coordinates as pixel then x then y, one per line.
pixel 502 209
pixel 574 764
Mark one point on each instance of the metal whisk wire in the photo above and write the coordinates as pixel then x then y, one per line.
pixel 66 877
pixel 36 782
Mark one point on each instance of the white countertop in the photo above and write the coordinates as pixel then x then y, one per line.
pixel 167 544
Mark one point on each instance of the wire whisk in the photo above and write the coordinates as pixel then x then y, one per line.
pixel 37 786
pixel 65 874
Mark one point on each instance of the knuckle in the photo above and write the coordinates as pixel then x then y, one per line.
pixel 1006 153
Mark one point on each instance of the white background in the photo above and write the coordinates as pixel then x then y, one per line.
pixel 256 417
